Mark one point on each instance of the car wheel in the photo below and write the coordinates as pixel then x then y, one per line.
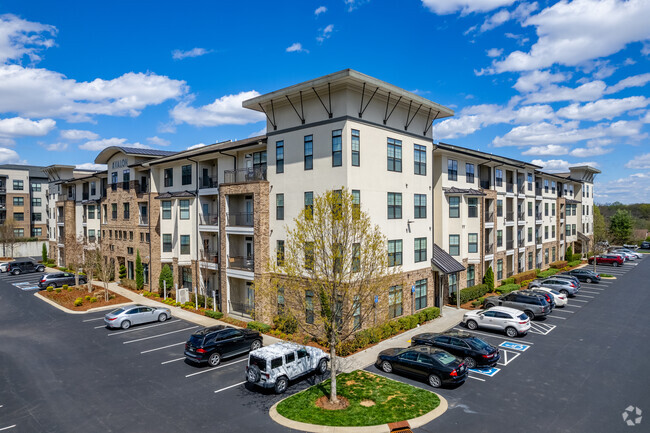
pixel 281 385
pixel 54 285
pixel 256 344
pixel 82 281
pixel 588 280
pixel 125 325
pixel 40 269
pixel 253 375
pixel 564 292
pixel 434 381
pixel 511 332
pixel 530 314
pixel 615 264
pixel 472 324
pixel 488 306
pixel 16 272
pixel 386 367
pixel 214 359
pixel 322 366
pixel 162 317
pixel 469 362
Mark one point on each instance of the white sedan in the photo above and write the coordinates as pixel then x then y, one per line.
pixel 3 266
pixel 559 298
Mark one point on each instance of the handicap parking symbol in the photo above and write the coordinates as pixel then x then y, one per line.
pixel 485 371
pixel 515 346
pixel 27 286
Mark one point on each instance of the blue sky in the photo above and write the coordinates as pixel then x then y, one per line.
pixel 555 83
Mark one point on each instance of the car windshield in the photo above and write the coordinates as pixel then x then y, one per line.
pixel 196 340
pixel 116 312
pixel 443 357
pixel 478 344
pixel 522 316
pixel 555 292
pixel 259 362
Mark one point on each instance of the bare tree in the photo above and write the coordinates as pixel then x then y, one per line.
pixel 102 267
pixel 75 253
pixel 8 237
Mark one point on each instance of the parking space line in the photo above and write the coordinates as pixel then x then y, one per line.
pixel 91 320
pixel 541 328
pixel 161 348
pixel 592 293
pixel 571 305
pixel 172 360
pixel 159 335
pixel 559 310
pixel 586 296
pixel 231 386
pixel 500 337
pixel 7 428
pixel 490 372
pixel 578 300
pixel 216 368
pixel 556 317
pixel 144 327
pixel 97 327
pixel 476 378
pixel 508 358
pixel 593 288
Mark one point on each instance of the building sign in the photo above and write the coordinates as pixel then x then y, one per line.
pixel 119 163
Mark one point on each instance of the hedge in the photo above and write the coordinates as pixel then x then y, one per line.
pixel 547 273
pixel 471 293
pixel 507 288
pixel 505 281
pixel 258 326
pixel 213 314
pixel 575 263
pixel 528 275
pixel 559 264
pixel 574 257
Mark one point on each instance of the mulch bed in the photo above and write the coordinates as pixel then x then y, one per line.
pixel 66 298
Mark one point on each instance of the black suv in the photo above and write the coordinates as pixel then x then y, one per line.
pixel 216 342
pixel 585 275
pixel 474 351
pixel 24 267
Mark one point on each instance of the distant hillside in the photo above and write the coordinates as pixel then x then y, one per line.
pixel 640 213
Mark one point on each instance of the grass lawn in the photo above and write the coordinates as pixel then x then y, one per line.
pixel 394 401
pixel 606 275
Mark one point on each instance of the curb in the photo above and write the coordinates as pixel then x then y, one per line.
pixel 90 310
pixel 381 428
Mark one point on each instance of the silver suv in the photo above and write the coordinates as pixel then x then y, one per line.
pixel 275 365
pixel 510 320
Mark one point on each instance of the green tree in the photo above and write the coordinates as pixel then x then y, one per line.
pixel 569 254
pixel 122 272
pixel 620 226
pixel 489 278
pixel 600 229
pixel 139 272
pixel 166 275
pixel 44 253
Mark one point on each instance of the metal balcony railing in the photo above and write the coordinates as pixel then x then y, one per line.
pixel 240 219
pixel 510 244
pixel 3 189
pixel 241 175
pixel 510 216
pixel 510 187
pixel 489 248
pixel 209 219
pixel 84 218
pixel 485 184
pixel 208 182
pixel 521 243
pixel 60 219
pixel 538 240
pixel 244 309
pixel 538 191
pixel 489 217
pixel 521 215
pixel 210 256
pixel 243 263
pixel 521 188
pixel 538 216
pixel 85 196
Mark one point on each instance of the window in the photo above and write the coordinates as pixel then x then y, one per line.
pixel 166 210
pixel 356 313
pixel 453 283
pixel 553 233
pixel 91 212
pixel 545 209
pixel 421 294
pixel 279 156
pixel 553 254
pixel 530 261
pixel 553 187
pixel 420 159
pixel 394 205
pixel 356 257
pixel 309 152
pixel 454 245
pixel 395 253
pixel 168 177
pixel 309 255
pixel 36 216
pixel 279 206
pixel 573 229
pixel 545 185
pixel 356 204
pixel 545 232
pixel 114 211
pixel 552 209
pixel 36 202
pixel 469 173
pixel 19 201
pixel 356 148
pixel 167 243
pixel 280 253
pixel 185 244
pixel 309 205
pixel 394 301
pixel 546 256
pixel 129 250
pixel 186 175
pixel 127 210
pixel 36 187
pixel 499 208
pixel 499 238
pixel 126 178
pixel 420 205
pixel 472 207
pixel 114 181
pixel 309 306
pixel 394 155
pixel 19 233
pixel 454 207
pixel 452 169
pixel 530 181
pixel 420 249
pixel 500 269
pixel 498 174
pixel 530 208
pixel 337 148
pixel 472 243
pixel 281 301
pixel 37 231
pixel 184 206
pixel 471 275
pixel 18 185
pixel 530 234
pixel 93 188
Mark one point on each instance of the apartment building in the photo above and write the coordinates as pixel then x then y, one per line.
pixel 23 199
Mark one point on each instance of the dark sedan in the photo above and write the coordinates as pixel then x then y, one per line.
pixel 212 344
pixel 435 365
pixel 472 350
pixel 585 275
pixel 58 279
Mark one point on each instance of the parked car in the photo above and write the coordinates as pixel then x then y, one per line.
pixel 58 279
pixel 513 322
pixel 472 350
pixel 125 317
pixel 24 267
pixel 607 259
pixel 645 245
pixel 211 345
pixel 549 298
pixel 562 285
pixel 584 274
pixel 572 278
pixel 533 305
pixel 629 252
pixel 275 365
pixel 630 246
pixel 437 366
pixel 560 299
pixel 4 266
pixel 627 256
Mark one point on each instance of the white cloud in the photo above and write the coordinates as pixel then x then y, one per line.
pixel 629 61
pixel 7 141
pixel 559 165
pixel 549 149
pixel 571 33
pixel 194 52
pixel 552 93
pixel 226 110
pixel 494 52
pixel 157 141
pixel 9 156
pixel 33 92
pixel 296 47
pixel 258 133
pixel 56 147
pixel 102 144
pixel 196 146
pixel 632 81
pixel 533 81
pixel 354 4
pixel 326 33
pixel 444 7
pixel 78 134
pixel 603 108
pixel 20 38
pixel 91 166
pixel 166 128
pixel 640 162
pixel 520 39
pixel 18 126
pixel 496 20
pixel 320 10
pixel 592 149
pixel 634 188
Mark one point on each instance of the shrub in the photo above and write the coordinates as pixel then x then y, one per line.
pixel 525 283
pixel 166 275
pixel 575 257
pixel 87 297
pixel 78 302
pixel 507 288
pixel 213 314
pixel 478 302
pixel 65 287
pixel 189 305
pixel 129 284
pixel 93 300
pixel 547 273
pixel 122 272
pixel 528 275
pixel 505 281
pixel 488 279
pixel 201 299
pixel 569 253
pixel 559 264
pixel 69 289
pixel 575 263
pixel 146 293
pixel 49 288
pixel 58 290
pixel 285 323
pixel 44 253
pixel 139 272
pixel 471 293
pixel 258 326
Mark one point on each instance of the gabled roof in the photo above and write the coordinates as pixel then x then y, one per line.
pixel 210 148
pixel 484 155
pixel 445 263
pixel 109 152
pixel 34 170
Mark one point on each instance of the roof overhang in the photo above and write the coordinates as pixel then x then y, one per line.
pixel 444 263
pixel 488 158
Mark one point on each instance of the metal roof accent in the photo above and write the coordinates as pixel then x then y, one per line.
pixel 35 171
pixel 106 154
pixel 569 201
pixel 445 263
pixel 179 194
pixel 467 191
pixel 210 148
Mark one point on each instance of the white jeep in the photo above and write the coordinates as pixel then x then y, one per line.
pixel 275 365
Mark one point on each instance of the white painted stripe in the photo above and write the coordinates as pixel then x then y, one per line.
pixel 7 428
pixel 594 288
pixel 231 386
pixel 563 311
pixel 586 296
pixel 98 327
pixel 90 320
pixel 216 368
pixel 172 360
pixel 476 378
pixel 587 291
pixel 500 337
pixel 159 335
pixel 578 300
pixel 556 317
pixel 143 327
pixel 571 305
pixel 161 348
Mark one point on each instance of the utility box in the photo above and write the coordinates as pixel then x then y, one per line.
pixel 182 295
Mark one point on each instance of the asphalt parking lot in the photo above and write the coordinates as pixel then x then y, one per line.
pixel 577 370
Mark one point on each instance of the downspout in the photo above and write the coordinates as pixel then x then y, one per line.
pixel 222 236
pixel 196 226
pixel 433 230
pixel 149 225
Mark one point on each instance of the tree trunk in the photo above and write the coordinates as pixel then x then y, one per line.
pixel 333 366
pixel 106 291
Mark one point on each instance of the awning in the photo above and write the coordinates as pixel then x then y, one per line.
pixel 468 191
pixel 583 237
pixel 444 263
pixel 569 201
pixel 179 194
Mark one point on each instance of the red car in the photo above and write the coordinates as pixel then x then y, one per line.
pixel 608 259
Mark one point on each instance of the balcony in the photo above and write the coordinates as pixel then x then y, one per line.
pixel 538 240
pixel 538 192
pixel 242 219
pixel 3 189
pixel 521 243
pixel 125 185
pixel 485 184
pixel 141 188
pixel 84 218
pixel 521 216
pixel 489 248
pixel 85 196
pixel 243 175
pixel 538 216
pixel 209 219
pixel 60 219
pixel 521 188
pixel 489 217
pixel 143 221
pixel 510 216
pixel 510 187
pixel 510 244
pixel 208 182
pixel 242 263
